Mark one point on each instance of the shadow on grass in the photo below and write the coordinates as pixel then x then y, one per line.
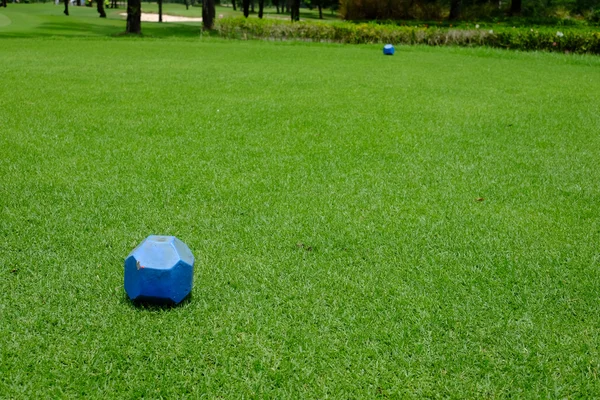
pixel 151 305
pixel 106 28
pixel 170 29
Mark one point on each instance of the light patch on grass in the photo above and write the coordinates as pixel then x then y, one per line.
pixel 150 17
pixel 4 20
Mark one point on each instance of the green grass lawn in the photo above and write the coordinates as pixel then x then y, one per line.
pixel 423 225
pixel 34 20
pixel 48 20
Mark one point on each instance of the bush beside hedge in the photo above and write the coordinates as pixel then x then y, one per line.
pixel 344 32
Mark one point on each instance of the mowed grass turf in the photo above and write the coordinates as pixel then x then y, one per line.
pixel 47 20
pixel 422 225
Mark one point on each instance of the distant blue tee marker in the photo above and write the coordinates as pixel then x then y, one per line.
pixel 388 50
pixel 160 270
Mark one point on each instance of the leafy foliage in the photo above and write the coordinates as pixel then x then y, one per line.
pixel 437 9
pixel 549 39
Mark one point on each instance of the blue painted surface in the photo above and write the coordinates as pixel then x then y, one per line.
pixel 159 270
pixel 388 50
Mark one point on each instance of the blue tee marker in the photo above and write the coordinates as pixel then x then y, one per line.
pixel 388 50
pixel 160 270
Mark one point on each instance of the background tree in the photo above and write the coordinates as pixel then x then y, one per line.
pixel 320 7
pixel 276 4
pixel 436 10
pixel 160 10
pixel 320 4
pixel 582 6
pixel 515 7
pixel 455 9
pixel 134 17
pixel 295 10
pixel 233 5
pixel 261 6
pixel 394 9
pixel 246 7
pixel 3 4
pixel 100 8
pixel 208 13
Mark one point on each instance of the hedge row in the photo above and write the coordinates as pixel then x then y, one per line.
pixel 344 32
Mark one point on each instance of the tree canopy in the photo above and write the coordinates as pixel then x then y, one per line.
pixel 457 9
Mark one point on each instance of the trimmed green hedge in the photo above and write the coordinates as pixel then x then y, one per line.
pixel 344 32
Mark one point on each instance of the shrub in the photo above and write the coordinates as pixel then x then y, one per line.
pixel 547 39
pixel 594 16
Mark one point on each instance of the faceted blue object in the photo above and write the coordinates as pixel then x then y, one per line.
pixel 160 270
pixel 388 50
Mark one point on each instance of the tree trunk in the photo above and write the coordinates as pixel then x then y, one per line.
pixel 3 4
pixel 233 4
pixel 276 4
pixel 78 3
pixel 295 10
pixel 320 11
pixel 187 4
pixel 454 9
pixel 208 13
pixel 246 7
pixel 261 6
pixel 100 8
pixel 159 10
pixel 252 6
pixel 515 7
pixel 66 7
pixel 134 16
